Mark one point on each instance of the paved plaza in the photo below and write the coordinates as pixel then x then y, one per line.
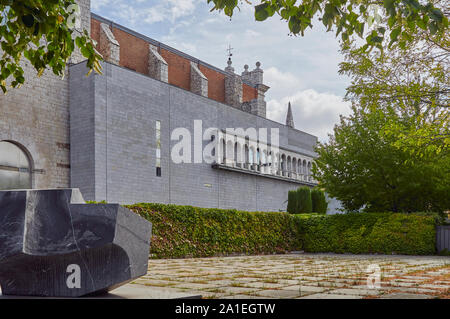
pixel 304 276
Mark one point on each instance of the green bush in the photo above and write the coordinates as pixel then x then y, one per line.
pixel 319 202
pixel 304 202
pixel 185 231
pixel 360 233
pixel 292 202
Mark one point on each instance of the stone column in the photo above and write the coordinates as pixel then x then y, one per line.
pixel 84 24
pixel 108 46
pixel 233 87
pixel 158 68
pixel 259 105
pixel 199 82
pixel 256 78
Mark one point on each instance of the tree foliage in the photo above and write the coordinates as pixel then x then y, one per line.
pixel 363 168
pixel 292 202
pixel 43 32
pixel 319 201
pixel 393 152
pixel 414 82
pixel 304 202
pixel 393 20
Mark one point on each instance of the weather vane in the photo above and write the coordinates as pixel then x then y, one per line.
pixel 230 53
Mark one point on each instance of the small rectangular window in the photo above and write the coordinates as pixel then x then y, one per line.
pixel 158 148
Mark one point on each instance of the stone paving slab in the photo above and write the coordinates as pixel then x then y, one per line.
pixel 303 276
pixel 279 294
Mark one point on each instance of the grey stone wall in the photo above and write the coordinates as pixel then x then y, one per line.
pixel 233 90
pixel 116 146
pixel 199 82
pixel 36 116
pixel 85 7
pixel 109 48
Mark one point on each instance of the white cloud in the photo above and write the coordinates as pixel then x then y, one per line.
pixel 282 83
pixel 314 112
pixel 137 11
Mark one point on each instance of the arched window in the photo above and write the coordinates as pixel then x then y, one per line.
pixel 224 152
pixel 15 167
pixel 250 156
pixel 230 152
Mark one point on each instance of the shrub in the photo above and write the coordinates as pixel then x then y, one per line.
pixel 304 203
pixel 360 233
pixel 292 202
pixel 319 202
pixel 185 231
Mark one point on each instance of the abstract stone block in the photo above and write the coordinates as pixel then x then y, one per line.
pixel 52 244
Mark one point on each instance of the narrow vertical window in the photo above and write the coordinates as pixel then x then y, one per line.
pixel 158 148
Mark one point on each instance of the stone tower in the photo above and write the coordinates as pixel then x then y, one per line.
pixel 85 12
pixel 289 117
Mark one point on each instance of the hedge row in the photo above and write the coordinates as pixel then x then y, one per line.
pixel 185 231
pixel 359 233
pixel 305 200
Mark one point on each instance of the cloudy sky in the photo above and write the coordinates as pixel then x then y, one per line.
pixel 302 70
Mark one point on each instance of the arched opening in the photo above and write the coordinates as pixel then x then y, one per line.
pixel 289 166
pixel 251 157
pixel 230 152
pixel 264 161
pixel 258 159
pixel 15 167
pixel 223 151
pixel 247 156
pixel 283 165
pixel 294 167
pixel 299 169
pixel 304 170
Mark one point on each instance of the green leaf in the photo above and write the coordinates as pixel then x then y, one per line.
pixel 261 13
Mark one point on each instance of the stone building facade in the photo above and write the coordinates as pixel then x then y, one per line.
pixel 111 135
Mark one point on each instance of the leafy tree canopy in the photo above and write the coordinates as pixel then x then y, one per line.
pixel 363 168
pixel 393 152
pixel 43 32
pixel 395 20
pixel 414 82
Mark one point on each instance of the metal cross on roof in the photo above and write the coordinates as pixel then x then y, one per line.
pixel 230 49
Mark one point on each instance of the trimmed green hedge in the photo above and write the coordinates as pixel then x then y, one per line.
pixel 319 202
pixel 304 202
pixel 185 231
pixel 292 202
pixel 359 233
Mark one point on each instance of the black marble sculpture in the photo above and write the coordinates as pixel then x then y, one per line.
pixel 52 244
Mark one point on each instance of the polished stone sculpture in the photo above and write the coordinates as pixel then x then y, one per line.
pixel 52 244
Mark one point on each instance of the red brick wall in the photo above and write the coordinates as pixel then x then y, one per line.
pixel 134 55
pixel 179 69
pixel 248 93
pixel 216 84
pixel 133 51
pixel 95 30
